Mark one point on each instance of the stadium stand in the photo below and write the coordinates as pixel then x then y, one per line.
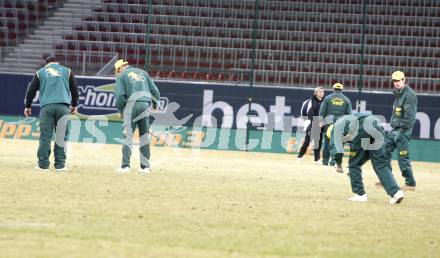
pixel 20 17
pixel 299 43
pixel 34 39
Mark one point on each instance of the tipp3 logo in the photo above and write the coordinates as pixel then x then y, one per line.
pixel 100 100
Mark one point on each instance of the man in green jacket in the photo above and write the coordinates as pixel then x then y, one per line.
pixel 366 136
pixel 58 91
pixel 403 119
pixel 135 92
pixel 333 107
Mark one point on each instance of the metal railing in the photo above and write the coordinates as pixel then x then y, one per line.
pixel 86 62
pixel 295 43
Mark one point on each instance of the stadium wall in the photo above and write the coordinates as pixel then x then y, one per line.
pixel 273 107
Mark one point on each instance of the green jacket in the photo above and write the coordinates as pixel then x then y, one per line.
pixel 56 84
pixel 336 104
pixel 404 109
pixel 337 138
pixel 131 81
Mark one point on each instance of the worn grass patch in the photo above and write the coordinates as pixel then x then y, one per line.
pixel 206 204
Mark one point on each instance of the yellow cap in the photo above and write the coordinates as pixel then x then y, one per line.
pixel 398 75
pixel 120 63
pixel 338 86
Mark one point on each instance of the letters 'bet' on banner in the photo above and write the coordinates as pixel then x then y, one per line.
pixel 275 108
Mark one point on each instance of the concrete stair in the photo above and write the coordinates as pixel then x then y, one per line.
pixel 28 56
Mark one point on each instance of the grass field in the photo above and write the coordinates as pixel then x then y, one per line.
pixel 207 204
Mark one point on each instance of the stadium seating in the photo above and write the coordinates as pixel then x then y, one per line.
pixel 19 17
pixel 297 43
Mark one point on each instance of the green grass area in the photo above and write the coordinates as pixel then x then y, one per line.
pixel 206 204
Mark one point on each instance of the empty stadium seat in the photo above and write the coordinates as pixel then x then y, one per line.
pixel 299 43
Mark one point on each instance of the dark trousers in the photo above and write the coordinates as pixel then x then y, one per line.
pixel 400 141
pixel 317 137
pixel 358 157
pixel 326 147
pixel 49 116
pixel 130 126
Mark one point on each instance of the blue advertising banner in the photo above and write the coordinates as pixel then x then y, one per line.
pixel 95 129
pixel 227 103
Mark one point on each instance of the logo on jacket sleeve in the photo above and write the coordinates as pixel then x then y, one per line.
pixel 398 111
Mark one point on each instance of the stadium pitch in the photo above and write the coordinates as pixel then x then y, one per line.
pixel 206 204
